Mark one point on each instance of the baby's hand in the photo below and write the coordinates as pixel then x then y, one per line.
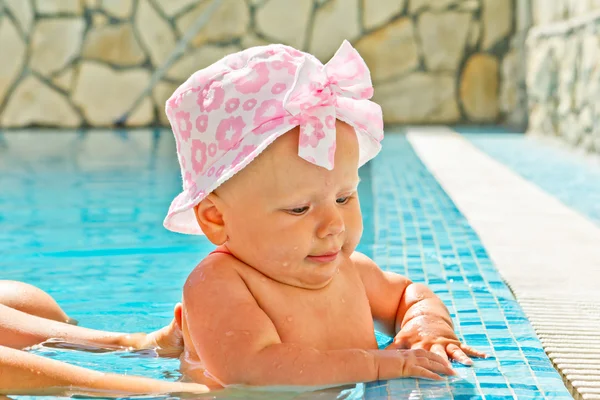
pixel 167 341
pixel 436 335
pixel 417 363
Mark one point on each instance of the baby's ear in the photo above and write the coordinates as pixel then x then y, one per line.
pixel 210 220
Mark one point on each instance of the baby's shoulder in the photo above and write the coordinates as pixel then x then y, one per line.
pixel 361 262
pixel 214 267
pixel 366 268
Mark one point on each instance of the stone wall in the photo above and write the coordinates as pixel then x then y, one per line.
pixel 76 63
pixel 563 71
pixel 545 12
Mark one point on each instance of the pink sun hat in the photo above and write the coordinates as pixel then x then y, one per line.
pixel 226 114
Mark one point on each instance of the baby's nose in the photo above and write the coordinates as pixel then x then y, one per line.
pixel 332 223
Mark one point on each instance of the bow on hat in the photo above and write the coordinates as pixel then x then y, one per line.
pixel 320 94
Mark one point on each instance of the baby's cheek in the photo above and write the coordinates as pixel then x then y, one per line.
pixel 354 229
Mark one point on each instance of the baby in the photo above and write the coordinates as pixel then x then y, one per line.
pixel 270 141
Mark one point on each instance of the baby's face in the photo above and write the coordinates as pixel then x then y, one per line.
pixel 291 220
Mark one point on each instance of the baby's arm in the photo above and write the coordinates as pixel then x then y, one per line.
pixel 410 312
pixel 25 373
pixel 19 330
pixel 239 344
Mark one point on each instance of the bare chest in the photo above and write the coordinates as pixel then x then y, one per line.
pixel 335 317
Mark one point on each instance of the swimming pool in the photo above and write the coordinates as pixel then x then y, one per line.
pixel 81 217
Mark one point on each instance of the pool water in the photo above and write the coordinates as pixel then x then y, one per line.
pixel 81 217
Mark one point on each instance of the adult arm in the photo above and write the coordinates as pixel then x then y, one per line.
pixel 26 373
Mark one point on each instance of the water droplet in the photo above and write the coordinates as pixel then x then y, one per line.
pixel 285 264
pixel 295 247
pixel 290 319
pixel 301 371
pixel 229 333
pixel 343 300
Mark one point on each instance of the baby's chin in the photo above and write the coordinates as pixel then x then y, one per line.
pixel 310 275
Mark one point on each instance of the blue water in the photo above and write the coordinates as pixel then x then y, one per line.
pixel 81 217
pixel 563 174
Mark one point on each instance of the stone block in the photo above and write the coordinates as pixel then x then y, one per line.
pixel 34 102
pixel 229 21
pixel 509 82
pixel 416 6
pixel 64 80
pixel 419 98
pixel 540 120
pixel 542 72
pixel 542 14
pixel 469 5
pixel 22 12
pixel 173 7
pixel 143 115
pixel 443 37
pixel 114 44
pixel 376 13
pixel 99 20
pixel 497 21
pixel 251 40
pixel 285 21
pixel 334 21
pixel 52 7
pixel 121 8
pixel 197 59
pixel 391 50
pixel 104 94
pixel 13 56
pixel 161 93
pixel 154 32
pixel 55 43
pixel 479 88
pixel 474 33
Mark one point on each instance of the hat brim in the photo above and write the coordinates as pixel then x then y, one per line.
pixel 181 217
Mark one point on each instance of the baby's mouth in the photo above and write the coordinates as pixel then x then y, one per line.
pixel 325 257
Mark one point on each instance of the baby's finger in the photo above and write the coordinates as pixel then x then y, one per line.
pixel 472 352
pixel 396 345
pixel 457 354
pixel 433 362
pixel 440 351
pixel 420 372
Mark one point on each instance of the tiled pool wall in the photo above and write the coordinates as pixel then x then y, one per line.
pixel 420 232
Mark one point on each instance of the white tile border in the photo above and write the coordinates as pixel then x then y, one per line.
pixel 547 253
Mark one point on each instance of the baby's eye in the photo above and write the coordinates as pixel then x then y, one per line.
pixel 298 210
pixel 342 200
